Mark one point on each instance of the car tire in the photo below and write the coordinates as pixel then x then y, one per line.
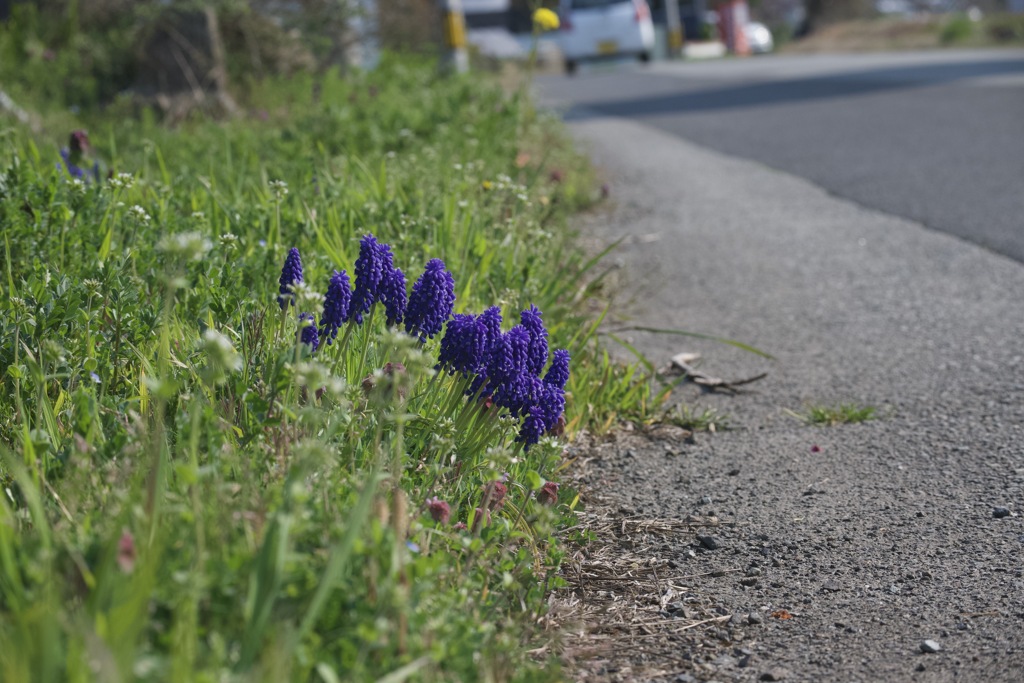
pixel 570 67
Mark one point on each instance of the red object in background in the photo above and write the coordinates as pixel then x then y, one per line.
pixel 733 15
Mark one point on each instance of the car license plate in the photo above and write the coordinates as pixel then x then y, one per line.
pixel 607 47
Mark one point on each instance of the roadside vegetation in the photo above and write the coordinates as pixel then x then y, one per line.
pixel 915 33
pixel 286 391
pixel 210 470
pixel 840 413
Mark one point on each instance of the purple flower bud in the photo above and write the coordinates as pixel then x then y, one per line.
pixel 494 494
pixel 508 377
pixel 291 274
pixel 439 510
pixel 431 301
pixel 490 322
pixel 558 374
pixel 548 494
pixel 463 346
pixel 547 405
pixel 336 306
pixel 537 356
pixel 394 297
pixel 309 336
pixel 374 264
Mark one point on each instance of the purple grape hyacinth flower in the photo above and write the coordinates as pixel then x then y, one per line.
pixel 392 292
pixel 537 357
pixel 490 325
pixel 463 345
pixel 336 306
pixel 309 337
pixel 431 301
pixel 558 374
pixel 542 416
pixel 508 372
pixel 74 159
pixel 374 264
pixel 291 274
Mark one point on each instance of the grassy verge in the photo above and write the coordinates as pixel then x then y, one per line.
pixel 196 490
pixel 918 33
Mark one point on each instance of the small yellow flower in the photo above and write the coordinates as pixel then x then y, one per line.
pixel 545 20
pixel 487 184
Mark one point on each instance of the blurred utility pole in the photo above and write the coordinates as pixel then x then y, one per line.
pixel 675 28
pixel 455 57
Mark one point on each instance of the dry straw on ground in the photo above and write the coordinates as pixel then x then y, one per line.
pixel 626 607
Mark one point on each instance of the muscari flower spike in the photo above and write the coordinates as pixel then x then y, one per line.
pixel 463 345
pixel 508 373
pixel 337 302
pixel 490 325
pixel 558 374
pixel 392 292
pixel 537 357
pixel 542 415
pixel 291 274
pixel 431 301
pixel 374 264
pixel 310 337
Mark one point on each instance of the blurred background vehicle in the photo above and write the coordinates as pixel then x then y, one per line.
pixel 597 29
pixel 759 38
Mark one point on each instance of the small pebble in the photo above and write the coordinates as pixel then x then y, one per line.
pixel 706 500
pixel 734 471
pixel 776 674
pixel 725 661
pixel 748 581
pixel 930 646
pixel 709 542
pixel 1000 512
pixel 755 618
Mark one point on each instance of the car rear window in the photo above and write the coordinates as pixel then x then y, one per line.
pixel 591 4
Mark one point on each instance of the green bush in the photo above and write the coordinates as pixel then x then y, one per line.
pixel 957 30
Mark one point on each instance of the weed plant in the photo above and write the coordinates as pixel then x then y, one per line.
pixel 281 395
pixel 841 413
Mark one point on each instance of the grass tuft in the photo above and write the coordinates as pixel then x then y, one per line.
pixel 840 413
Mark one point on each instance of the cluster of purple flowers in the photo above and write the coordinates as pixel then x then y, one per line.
pixel 506 367
pixel 74 161
pixel 377 280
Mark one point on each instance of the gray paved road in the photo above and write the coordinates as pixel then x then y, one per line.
pixel 875 536
pixel 935 137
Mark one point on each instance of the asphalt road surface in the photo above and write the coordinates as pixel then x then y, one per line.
pixel 935 137
pixel 880 539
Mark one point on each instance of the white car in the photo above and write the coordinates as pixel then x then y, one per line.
pixel 595 29
pixel 759 38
